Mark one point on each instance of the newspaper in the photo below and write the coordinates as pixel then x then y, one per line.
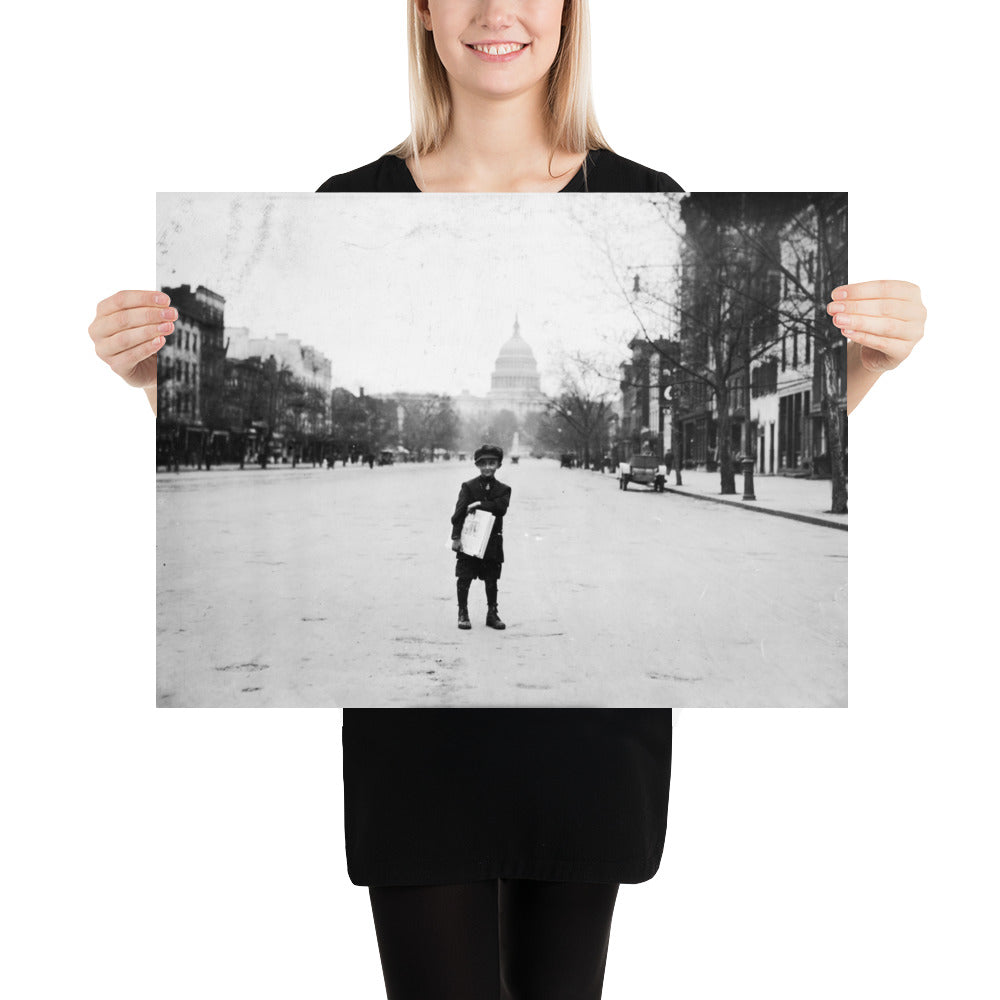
pixel 476 532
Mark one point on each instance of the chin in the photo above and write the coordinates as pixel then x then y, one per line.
pixel 500 89
pixel 499 79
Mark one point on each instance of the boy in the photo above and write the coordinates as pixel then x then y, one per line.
pixel 485 493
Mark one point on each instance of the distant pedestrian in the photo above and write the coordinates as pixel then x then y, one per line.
pixel 488 494
pixel 668 460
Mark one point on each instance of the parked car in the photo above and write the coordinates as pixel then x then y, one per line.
pixel 645 470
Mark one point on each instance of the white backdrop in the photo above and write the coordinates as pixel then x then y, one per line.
pixel 200 853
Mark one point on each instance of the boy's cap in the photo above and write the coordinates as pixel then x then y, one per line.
pixel 488 451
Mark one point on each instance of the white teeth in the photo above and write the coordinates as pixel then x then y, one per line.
pixel 499 50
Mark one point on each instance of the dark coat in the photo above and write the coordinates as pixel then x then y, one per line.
pixel 494 498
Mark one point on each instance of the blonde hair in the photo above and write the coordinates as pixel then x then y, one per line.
pixel 572 122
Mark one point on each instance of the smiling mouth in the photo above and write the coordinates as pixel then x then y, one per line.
pixel 504 49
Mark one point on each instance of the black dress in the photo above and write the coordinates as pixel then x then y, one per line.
pixel 437 796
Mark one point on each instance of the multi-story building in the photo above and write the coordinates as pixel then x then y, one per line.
pixel 190 365
pixel 646 390
pixel 298 404
pixel 753 324
pixel 306 364
pixel 787 404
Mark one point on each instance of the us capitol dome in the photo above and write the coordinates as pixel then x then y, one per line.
pixel 515 384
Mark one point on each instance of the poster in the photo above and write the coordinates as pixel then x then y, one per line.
pixel 336 363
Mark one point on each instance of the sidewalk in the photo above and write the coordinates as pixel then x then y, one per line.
pixel 782 496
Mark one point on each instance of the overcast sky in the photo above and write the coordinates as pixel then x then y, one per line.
pixel 407 293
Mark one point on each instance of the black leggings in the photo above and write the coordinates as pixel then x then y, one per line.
pixel 496 940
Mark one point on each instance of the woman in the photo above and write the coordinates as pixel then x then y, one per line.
pixel 494 840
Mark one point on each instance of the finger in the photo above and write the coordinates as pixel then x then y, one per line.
pixel 894 349
pixel 131 300
pixel 130 319
pixel 904 309
pixel 110 347
pixel 882 326
pixel 877 290
pixel 118 343
pixel 124 363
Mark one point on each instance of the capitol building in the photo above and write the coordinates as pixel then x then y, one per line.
pixel 514 385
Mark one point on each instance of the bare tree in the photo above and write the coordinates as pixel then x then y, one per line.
pixel 581 414
pixel 753 271
pixel 429 422
pixel 491 427
pixel 810 260
pixel 362 424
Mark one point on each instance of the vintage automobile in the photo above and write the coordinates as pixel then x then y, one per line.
pixel 645 470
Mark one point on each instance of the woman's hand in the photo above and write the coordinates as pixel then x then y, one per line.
pixel 884 318
pixel 456 545
pixel 128 330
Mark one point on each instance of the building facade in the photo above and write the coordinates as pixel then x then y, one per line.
pixel 645 419
pixel 754 331
pixel 225 396
pixel 787 399
pixel 306 364
pixel 191 374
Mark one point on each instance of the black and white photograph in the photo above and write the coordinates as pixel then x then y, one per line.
pixel 481 450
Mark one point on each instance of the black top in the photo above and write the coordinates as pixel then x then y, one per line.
pixel 602 171
pixel 444 795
